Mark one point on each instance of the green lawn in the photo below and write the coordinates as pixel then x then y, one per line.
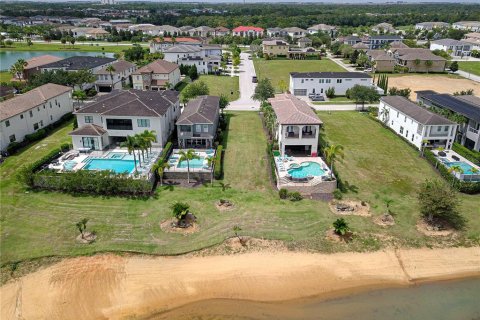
pixel 37 224
pixel 278 70
pixel 336 100
pixel 22 46
pixel 219 85
pixel 471 67
pixel 5 76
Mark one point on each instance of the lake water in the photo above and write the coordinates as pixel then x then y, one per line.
pixel 8 58
pixel 451 300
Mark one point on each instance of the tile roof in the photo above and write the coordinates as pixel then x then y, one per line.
pixel 88 130
pixel 183 49
pixel 321 26
pixel 414 111
pixel 79 62
pixel 30 99
pixel 247 28
pixel 158 66
pixel 40 61
pixel 360 45
pixel 417 53
pixel 449 42
pixel 201 110
pixel 333 75
pixel 275 43
pixel 291 110
pixel 120 66
pixel 134 103
pixel 178 40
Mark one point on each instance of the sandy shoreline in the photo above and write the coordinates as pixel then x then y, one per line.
pixel 113 287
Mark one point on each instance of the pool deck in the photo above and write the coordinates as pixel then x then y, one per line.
pixel 174 158
pixel 449 158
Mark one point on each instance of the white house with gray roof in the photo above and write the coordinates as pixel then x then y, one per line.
pixel 305 83
pixel 32 111
pixel 205 57
pixel 454 47
pixel 297 125
pixel 197 125
pixel 415 123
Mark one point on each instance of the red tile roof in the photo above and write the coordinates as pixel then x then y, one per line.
pixel 247 28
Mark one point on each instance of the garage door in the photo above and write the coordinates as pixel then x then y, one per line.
pixel 300 92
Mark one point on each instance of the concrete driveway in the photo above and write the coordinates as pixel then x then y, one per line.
pixel 247 87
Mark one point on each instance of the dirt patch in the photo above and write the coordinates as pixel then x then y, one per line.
pixel 440 84
pixel 170 225
pixel 385 220
pixel 332 236
pixel 243 245
pixel 350 208
pixel 433 231
pixel 88 237
pixel 224 205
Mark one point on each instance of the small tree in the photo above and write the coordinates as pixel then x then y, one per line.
pixel 330 92
pixel 340 227
pixel 362 94
pixel 388 202
pixel 439 203
pixel 331 154
pixel 180 210
pixel 193 73
pixel 194 89
pixel 111 69
pixel 224 186
pixel 263 90
pixel 72 41
pixel 187 156
pixel 454 66
pixel 223 102
pixel 79 95
pixel 82 227
pixel 161 170
pixel 236 229
pixel 282 85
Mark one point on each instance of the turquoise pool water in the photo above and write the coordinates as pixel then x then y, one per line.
pixel 116 165
pixel 68 165
pixel 467 169
pixel 194 163
pixel 119 155
pixel 306 169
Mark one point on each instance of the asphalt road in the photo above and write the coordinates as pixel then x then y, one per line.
pixel 246 86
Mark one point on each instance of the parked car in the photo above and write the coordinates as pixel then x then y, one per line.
pixel 254 79
pixel 317 97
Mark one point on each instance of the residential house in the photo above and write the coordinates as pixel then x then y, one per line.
pixel 473 38
pixel 202 31
pixel 468 106
pixel 206 58
pixel 166 30
pixel 360 46
pixel 298 126
pixel 454 47
pixel 116 115
pixel 294 32
pixel 383 28
pixel 473 26
pixel 274 32
pixel 302 53
pixel 184 30
pixel 7 92
pixel 32 111
pixel 330 30
pixel 275 48
pixel 380 41
pixel 157 75
pixel 108 81
pixel 398 45
pixel 197 125
pixel 34 64
pixel 90 33
pixel 419 60
pixel 305 83
pixel 351 40
pixel 221 31
pixel 304 42
pixel 381 61
pixel 415 123
pixel 432 25
pixel 248 31
pixel 162 44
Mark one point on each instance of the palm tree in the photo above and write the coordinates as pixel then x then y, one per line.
pixel 385 114
pixel 474 171
pixel 453 170
pixel 161 169
pixel 424 144
pixel 416 62
pixel 332 153
pixel 388 202
pixel 210 162
pixel 82 226
pixel 17 68
pixel 224 186
pixel 141 145
pixel 150 136
pixel 428 64
pixel 340 227
pixel 111 69
pixel 187 156
pixel 131 145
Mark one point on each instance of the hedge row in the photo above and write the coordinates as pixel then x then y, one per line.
pixel 38 135
pixel 218 163
pixel 163 157
pixel 271 159
pixel 462 186
pixel 471 155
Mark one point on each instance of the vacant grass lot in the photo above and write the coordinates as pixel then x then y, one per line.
pixel 37 224
pixel 97 47
pixel 471 67
pixel 219 85
pixel 278 70
pixel 5 76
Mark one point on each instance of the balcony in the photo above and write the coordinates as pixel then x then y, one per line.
pixel 291 135
pixel 473 130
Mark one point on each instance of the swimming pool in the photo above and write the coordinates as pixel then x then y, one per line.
pixel 68 165
pixel 467 169
pixel 116 165
pixel 119 155
pixel 306 169
pixel 194 163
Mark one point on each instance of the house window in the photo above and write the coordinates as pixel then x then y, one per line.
pixel 31 113
pixel 321 81
pixel 339 80
pixel 405 119
pixel 398 114
pixel 21 116
pixel 328 81
pixel 445 128
pixel 144 123
pixel 413 136
pixel 439 129
pixel 51 117
pixel 7 123
pixel 406 134
pixel 41 123
pixel 119 124
pixel 50 104
pixel 12 138
pixel 302 81
pixel 401 130
pixel 205 128
pixel 88 119
pixel 35 126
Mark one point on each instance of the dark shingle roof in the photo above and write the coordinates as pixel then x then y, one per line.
pixel 414 111
pixel 203 109
pixel 132 102
pixel 79 62
pixel 329 75
pixel 468 106
pixel 89 130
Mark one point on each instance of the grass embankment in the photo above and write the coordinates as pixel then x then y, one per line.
pixel 471 67
pixel 37 224
pixel 78 47
pixel 5 76
pixel 219 85
pixel 278 70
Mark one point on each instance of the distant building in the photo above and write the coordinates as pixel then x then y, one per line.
pixel 108 2
pixel 419 60
pixel 162 44
pixel 305 83
pixel 221 31
pixel 6 92
pixel 90 33
pixel 454 47
pixel 330 30
pixel 473 26
pixel 304 42
pixel 247 31
pixel 381 61
pixel 377 42
pixel 473 38
pixel 383 28
pixel 206 58
pixel 275 48
pixel 432 25
pixel 156 75
pixel 107 82
pixel 34 64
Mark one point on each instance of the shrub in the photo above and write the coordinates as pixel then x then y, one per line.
pixel 295 196
pixel 179 209
pixel 337 194
pixel 330 92
pixel 40 134
pixel 218 163
pixel 471 155
pixel 283 193
pixel 271 159
pixel 340 227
